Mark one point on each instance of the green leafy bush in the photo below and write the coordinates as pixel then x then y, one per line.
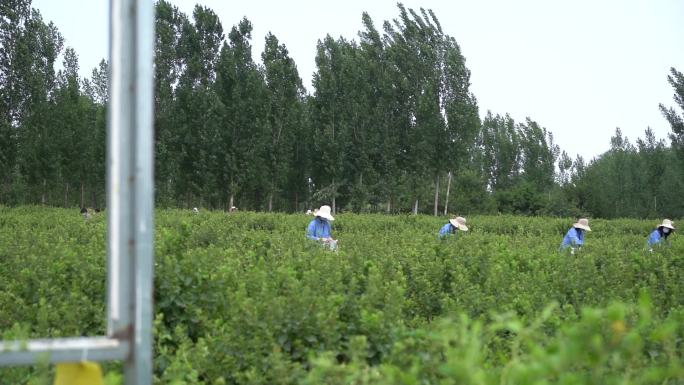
pixel 246 299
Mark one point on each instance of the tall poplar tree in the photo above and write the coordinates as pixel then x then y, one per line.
pixel 96 90
pixel 198 109
pixel 74 130
pixel 36 49
pixel 380 100
pixel 169 22
pixel 676 79
pixel 13 16
pixel 330 126
pixel 240 88
pixel 442 118
pixel 284 113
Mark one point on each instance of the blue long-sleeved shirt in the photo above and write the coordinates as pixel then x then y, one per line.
pixel 448 230
pixel 318 228
pixel 655 238
pixel 573 238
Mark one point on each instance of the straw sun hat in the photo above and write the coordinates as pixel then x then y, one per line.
pixel 324 212
pixel 667 223
pixel 582 223
pixel 460 223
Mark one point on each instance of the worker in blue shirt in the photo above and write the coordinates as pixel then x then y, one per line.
pixel 319 228
pixel 659 235
pixel 452 227
pixel 574 238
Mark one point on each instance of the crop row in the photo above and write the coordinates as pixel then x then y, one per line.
pixel 245 298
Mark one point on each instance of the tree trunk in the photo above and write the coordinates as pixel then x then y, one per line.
pixel 446 199
pixel 334 191
pixel 2 190
pixel 270 197
pixel 437 195
pixel 82 195
pixel 415 207
pixel 362 203
pixel 389 205
pixel 66 195
pixel 230 203
pixel 43 197
pixel 94 197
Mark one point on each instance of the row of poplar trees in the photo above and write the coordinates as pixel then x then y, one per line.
pixel 390 125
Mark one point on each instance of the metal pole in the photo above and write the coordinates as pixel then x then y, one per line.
pixel 119 197
pixel 131 184
pixel 141 371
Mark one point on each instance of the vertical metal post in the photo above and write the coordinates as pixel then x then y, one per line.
pixel 119 197
pixel 130 201
pixel 144 195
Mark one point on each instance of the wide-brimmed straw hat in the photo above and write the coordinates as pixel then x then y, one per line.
pixel 667 223
pixel 324 212
pixel 582 223
pixel 459 223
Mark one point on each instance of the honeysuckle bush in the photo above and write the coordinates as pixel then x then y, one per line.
pixel 244 298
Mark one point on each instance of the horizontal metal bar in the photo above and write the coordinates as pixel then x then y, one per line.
pixel 62 350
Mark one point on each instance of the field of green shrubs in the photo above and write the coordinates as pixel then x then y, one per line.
pixel 246 299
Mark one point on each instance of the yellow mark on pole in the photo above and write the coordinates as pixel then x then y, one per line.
pixel 78 373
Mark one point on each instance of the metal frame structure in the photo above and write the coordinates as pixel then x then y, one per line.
pixel 130 210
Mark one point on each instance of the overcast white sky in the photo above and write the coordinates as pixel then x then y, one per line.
pixel 580 68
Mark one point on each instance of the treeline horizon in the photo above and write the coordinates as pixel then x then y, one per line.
pixel 390 126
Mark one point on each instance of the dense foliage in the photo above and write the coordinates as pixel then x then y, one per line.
pixel 390 126
pixel 243 298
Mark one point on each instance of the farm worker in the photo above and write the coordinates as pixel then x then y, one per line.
pixel 319 228
pixel 86 214
pixel 575 236
pixel 452 227
pixel 195 210
pixel 660 234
